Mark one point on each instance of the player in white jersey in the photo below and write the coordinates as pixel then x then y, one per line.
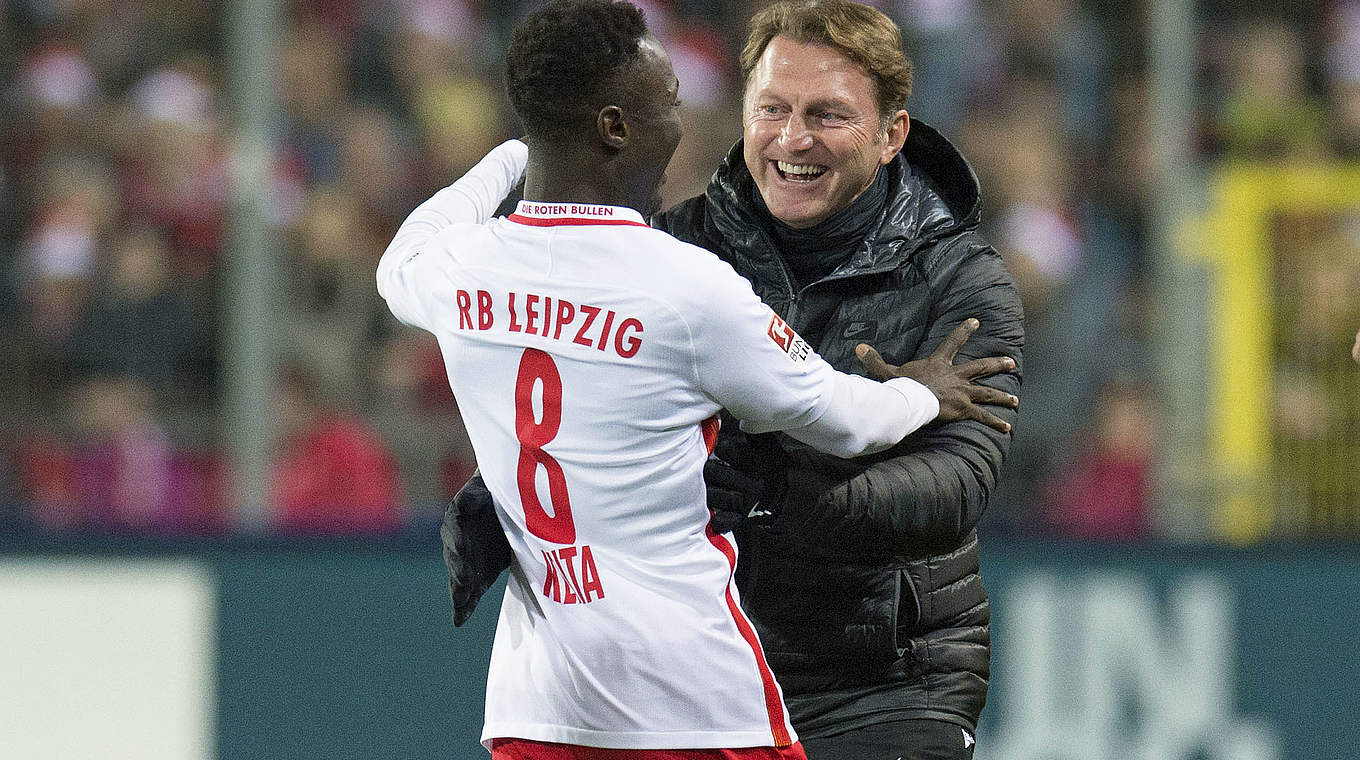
pixel 589 355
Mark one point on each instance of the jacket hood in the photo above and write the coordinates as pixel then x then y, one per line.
pixel 934 192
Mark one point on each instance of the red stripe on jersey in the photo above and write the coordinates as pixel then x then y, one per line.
pixel 709 427
pixel 535 221
pixel 774 704
pixel 524 749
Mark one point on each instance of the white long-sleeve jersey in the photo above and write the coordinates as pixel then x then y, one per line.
pixel 589 355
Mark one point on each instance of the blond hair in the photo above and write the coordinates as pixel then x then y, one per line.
pixel 860 33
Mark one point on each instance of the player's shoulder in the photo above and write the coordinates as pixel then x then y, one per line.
pixel 465 240
pixel 669 249
pixel 681 262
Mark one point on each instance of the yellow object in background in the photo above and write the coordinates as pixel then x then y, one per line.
pixel 1284 415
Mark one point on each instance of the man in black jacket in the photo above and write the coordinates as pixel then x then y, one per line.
pixel 858 225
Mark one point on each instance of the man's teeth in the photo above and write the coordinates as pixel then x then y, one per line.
pixel 802 170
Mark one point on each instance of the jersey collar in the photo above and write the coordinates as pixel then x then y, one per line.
pixel 543 214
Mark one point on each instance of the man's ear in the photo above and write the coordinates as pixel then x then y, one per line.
pixel 897 137
pixel 613 128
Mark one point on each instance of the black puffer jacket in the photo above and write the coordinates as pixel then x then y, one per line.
pixel 867 595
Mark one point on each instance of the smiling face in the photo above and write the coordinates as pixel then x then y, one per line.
pixel 813 135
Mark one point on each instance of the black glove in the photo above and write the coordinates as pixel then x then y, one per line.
pixel 475 548
pixel 733 496
pixel 746 478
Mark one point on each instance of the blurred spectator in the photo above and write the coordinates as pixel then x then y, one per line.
pixel 1342 67
pixel 60 259
pixel 1073 259
pixel 117 470
pixel 1051 43
pixel 333 474
pixel 138 325
pixel 457 107
pixel 1267 111
pixel 1314 409
pixel 46 482
pixel 1126 177
pixel 173 164
pixel 375 167
pixel 58 97
pixel 331 305
pixel 122 458
pixel 114 181
pixel 72 209
pixel 413 408
pixel 943 38
pixel 312 68
pixel 1106 493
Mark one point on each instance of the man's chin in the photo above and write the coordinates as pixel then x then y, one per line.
pixel 793 208
pixel 798 216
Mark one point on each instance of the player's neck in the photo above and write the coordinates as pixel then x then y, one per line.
pixel 573 180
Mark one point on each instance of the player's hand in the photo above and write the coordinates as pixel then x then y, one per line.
pixel 1355 350
pixel 960 397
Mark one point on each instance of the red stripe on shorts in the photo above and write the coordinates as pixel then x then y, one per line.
pixel 523 749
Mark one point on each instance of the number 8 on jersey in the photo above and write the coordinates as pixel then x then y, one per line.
pixel 537 366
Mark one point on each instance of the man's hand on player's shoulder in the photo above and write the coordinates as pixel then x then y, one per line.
pixel 960 397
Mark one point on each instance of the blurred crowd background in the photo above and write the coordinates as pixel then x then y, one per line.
pixel 117 120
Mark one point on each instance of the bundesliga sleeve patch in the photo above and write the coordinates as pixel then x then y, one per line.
pixel 788 341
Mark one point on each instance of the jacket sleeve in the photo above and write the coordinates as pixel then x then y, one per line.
pixel 931 489
pixel 475 547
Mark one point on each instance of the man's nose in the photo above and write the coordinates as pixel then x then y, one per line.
pixel 795 135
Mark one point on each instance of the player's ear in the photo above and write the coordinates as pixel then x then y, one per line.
pixel 613 128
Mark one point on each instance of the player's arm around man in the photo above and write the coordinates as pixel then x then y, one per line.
pixel 615 412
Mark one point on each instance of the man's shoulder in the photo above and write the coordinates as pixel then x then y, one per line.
pixel 959 248
pixel 682 219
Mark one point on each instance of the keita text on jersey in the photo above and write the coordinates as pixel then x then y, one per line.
pixel 572 577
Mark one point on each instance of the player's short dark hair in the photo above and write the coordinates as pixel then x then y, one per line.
pixel 564 60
